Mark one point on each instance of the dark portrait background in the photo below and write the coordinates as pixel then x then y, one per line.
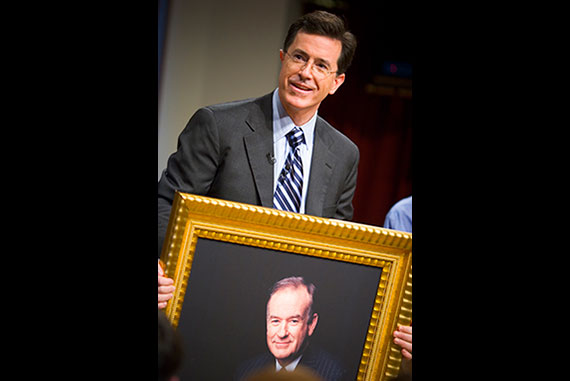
pixel 223 316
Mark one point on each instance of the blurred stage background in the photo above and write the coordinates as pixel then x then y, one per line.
pixel 223 50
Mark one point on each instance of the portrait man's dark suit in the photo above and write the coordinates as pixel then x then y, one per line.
pixel 316 359
pixel 226 152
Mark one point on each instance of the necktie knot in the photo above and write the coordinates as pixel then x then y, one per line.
pixel 295 137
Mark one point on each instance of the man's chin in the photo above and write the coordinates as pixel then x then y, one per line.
pixel 281 354
pixel 299 100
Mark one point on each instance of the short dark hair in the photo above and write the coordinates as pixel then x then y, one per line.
pixel 325 24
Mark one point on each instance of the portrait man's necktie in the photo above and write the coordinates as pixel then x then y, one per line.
pixel 290 183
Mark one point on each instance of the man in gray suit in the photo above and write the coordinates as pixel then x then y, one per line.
pixel 243 151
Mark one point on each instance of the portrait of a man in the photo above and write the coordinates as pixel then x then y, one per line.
pixel 291 321
pixel 249 308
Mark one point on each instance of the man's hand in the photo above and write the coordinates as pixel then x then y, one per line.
pixel 165 288
pixel 403 338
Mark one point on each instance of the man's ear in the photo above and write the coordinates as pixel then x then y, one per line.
pixel 313 323
pixel 338 80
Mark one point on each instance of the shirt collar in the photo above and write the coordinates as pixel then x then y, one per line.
pixel 282 122
pixel 291 367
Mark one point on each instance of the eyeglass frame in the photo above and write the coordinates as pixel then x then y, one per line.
pixel 305 63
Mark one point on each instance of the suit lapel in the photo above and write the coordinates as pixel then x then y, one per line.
pixel 259 143
pixel 322 166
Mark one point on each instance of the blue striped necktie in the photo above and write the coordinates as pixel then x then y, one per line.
pixel 290 183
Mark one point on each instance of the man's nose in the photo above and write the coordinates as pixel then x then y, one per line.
pixel 283 331
pixel 306 70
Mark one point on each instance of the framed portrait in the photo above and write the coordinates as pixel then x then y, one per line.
pixel 225 258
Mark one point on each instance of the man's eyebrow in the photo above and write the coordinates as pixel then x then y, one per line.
pixel 318 59
pixel 297 316
pixel 300 51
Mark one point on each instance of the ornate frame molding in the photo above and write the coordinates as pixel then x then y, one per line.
pixel 194 217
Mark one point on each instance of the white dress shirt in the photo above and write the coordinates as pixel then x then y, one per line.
pixel 289 368
pixel 282 124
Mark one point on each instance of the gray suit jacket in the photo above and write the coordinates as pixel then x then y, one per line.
pixel 224 152
pixel 325 365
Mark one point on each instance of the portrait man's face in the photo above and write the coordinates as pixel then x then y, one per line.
pixel 288 322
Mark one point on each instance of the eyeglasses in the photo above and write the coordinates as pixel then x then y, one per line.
pixel 299 61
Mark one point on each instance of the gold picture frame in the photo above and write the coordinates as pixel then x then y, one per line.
pixel 325 242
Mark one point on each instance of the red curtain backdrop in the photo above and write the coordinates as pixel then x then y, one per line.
pixel 381 127
pixel 374 105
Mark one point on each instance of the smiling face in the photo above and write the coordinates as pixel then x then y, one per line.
pixel 300 91
pixel 288 322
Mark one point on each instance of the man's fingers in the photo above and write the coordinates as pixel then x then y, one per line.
pixel 166 289
pixel 162 281
pixel 404 344
pixel 403 336
pixel 164 297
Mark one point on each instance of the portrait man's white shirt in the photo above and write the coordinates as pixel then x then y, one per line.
pixel 289 368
